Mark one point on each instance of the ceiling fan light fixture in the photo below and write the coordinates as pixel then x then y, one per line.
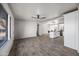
pixel 38 17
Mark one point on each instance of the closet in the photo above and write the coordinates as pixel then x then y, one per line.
pixel 71 30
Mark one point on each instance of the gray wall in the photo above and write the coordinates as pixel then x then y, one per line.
pixel 25 29
pixel 4 51
pixel 43 28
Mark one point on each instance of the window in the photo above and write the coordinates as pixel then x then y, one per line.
pixel 3 26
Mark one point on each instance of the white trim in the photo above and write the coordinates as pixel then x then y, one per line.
pixel 8 27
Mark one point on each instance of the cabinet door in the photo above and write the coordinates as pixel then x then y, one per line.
pixel 70 29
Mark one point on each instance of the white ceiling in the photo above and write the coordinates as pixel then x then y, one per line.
pixel 25 11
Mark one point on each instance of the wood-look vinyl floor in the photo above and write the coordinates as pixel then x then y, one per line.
pixel 41 46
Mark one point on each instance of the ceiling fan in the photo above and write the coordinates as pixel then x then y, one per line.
pixel 38 17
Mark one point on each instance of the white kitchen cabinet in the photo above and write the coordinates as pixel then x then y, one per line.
pixel 54 34
pixel 51 35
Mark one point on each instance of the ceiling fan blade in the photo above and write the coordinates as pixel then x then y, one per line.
pixel 38 17
pixel 42 17
pixel 34 17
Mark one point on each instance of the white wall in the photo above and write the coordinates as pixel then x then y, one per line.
pixel 71 30
pixel 6 48
pixel 43 28
pixel 25 29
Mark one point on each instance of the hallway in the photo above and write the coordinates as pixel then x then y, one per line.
pixel 41 46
